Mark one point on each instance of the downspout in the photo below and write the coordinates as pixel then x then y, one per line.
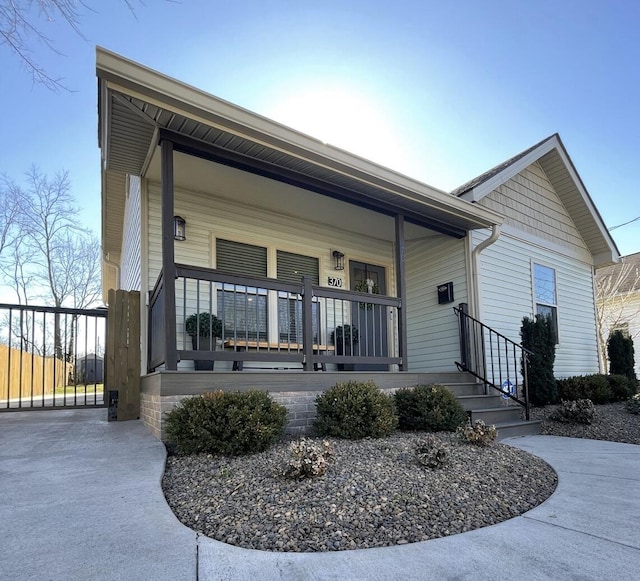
pixel 107 260
pixel 475 274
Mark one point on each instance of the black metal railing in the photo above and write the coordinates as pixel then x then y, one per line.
pixel 494 359
pixel 277 322
pixel 51 357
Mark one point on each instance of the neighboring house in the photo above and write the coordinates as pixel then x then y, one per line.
pixel 618 294
pixel 209 207
pixel 89 369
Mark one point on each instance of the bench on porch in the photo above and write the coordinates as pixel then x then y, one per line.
pixel 244 344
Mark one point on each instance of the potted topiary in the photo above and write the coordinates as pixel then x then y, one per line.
pixel 203 328
pixel 344 337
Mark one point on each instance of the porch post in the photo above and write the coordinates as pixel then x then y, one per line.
pixel 168 259
pixel 307 323
pixel 401 291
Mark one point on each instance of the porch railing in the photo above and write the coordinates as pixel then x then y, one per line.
pixel 494 359
pixel 276 322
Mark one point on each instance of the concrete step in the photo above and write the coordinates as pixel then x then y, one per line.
pixel 520 428
pixel 466 388
pixel 498 415
pixel 479 402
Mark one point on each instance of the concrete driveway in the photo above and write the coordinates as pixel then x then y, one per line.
pixel 80 498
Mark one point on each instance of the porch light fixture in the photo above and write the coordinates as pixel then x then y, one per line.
pixel 179 228
pixel 339 258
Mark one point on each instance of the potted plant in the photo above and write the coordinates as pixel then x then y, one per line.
pixel 203 328
pixel 344 337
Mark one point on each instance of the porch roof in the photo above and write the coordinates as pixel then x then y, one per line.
pixel 137 106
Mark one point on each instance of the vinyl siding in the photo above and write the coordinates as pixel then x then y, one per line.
pixel 432 329
pixel 530 204
pixel 506 295
pixel 130 264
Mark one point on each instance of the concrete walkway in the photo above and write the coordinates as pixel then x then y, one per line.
pixel 80 498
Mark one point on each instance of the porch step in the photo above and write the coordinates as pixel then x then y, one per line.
pixel 479 402
pixel 498 415
pixel 519 428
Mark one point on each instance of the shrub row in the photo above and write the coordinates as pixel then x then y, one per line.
pixel 600 389
pixel 235 423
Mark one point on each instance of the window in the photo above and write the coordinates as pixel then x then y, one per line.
pixel 291 268
pixel 544 284
pixel 243 309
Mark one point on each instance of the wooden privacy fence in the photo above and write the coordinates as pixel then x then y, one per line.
pixel 123 352
pixel 26 375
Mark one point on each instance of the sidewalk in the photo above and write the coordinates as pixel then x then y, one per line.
pixel 80 498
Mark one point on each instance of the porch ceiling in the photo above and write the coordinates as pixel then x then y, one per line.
pixel 136 105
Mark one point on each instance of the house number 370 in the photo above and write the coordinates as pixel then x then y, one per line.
pixel 334 281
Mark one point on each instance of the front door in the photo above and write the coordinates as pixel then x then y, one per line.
pixel 370 319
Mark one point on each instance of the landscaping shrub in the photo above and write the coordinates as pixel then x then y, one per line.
pixel 229 423
pixel 477 433
pixel 538 335
pixel 621 355
pixel 594 387
pixel 432 408
pixel 621 387
pixel 581 411
pixel 308 459
pixel 633 405
pixel 354 410
pixel 431 452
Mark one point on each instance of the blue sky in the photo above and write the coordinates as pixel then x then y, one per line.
pixel 441 91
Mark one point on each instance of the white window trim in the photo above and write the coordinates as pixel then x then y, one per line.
pixel 535 302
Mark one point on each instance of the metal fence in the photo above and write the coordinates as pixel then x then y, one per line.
pixel 51 357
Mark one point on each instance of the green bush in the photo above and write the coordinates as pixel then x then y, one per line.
pixel 594 387
pixel 538 335
pixel 354 410
pixel 204 325
pixel 581 411
pixel 229 423
pixel 622 388
pixel 621 355
pixel 633 405
pixel 432 408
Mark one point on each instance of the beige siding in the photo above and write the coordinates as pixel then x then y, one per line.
pixel 506 295
pixel 432 328
pixel 529 203
pixel 130 264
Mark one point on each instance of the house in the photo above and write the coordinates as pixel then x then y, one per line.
pixel 618 298
pixel 314 259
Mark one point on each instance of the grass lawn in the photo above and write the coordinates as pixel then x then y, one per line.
pixel 80 389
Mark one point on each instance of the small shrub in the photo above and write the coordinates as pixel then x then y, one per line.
pixel 581 411
pixel 354 410
pixel 595 387
pixel 633 405
pixel 432 408
pixel 308 459
pixel 621 355
pixel 431 452
pixel 621 387
pixel 229 423
pixel 203 324
pixel 477 433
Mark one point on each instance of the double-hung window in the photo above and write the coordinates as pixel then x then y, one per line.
pixel 544 286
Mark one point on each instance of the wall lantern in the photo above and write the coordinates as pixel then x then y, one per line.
pixel 339 258
pixel 179 228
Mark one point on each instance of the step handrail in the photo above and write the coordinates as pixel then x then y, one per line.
pixel 493 358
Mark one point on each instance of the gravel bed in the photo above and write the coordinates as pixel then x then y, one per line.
pixel 374 494
pixel 612 422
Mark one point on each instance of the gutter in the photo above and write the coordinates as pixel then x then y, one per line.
pixel 475 274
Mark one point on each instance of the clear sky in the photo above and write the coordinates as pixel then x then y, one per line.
pixel 441 91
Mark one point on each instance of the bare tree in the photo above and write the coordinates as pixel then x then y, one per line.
pixel 618 301
pixel 23 24
pixel 10 201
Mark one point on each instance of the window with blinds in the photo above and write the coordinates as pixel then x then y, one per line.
pixel 291 268
pixel 243 309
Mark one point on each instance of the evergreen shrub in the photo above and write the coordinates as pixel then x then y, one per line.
pixel 228 423
pixel 430 408
pixel 353 410
pixel 538 335
pixel 621 355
